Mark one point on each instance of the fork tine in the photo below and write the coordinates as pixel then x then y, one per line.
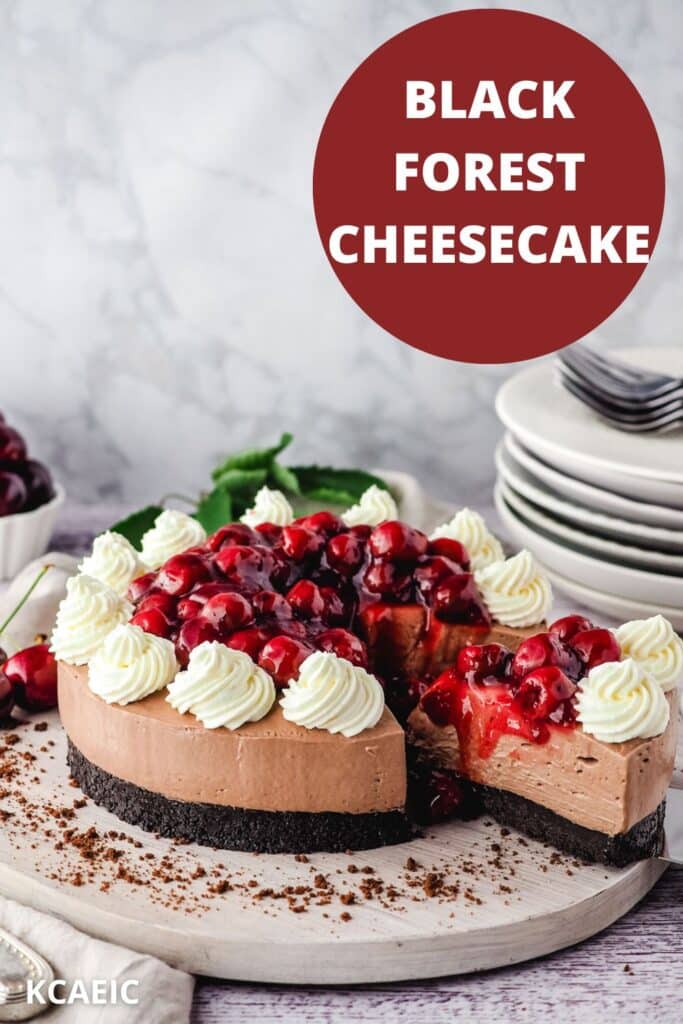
pixel 627 403
pixel 603 372
pixel 650 424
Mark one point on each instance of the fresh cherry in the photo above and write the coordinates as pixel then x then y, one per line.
pixel 166 603
pixel 13 493
pixel 345 553
pixel 251 641
pixel 457 599
pixel 227 612
pixel 6 696
pixel 450 548
pixel 542 691
pixel 326 523
pixel 233 533
pixel 480 662
pixel 269 533
pixel 12 445
pixel 244 561
pixel 432 570
pixel 188 608
pixel 596 646
pixel 269 602
pixel 567 628
pixel 38 480
pixel 181 573
pixel 398 542
pixel 300 542
pixel 542 650
pixel 205 591
pixel 33 674
pixel 152 621
pixel 344 645
pixel 282 657
pixel 307 599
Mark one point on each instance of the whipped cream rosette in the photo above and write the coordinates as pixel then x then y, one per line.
pixel 331 693
pixel 86 616
pixel 619 701
pixel 470 529
pixel 114 561
pixel 222 687
pixel 516 591
pixel 376 506
pixel 656 647
pixel 130 665
pixel 172 533
pixel 269 507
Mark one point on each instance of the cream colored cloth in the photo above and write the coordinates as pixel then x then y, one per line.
pixel 164 995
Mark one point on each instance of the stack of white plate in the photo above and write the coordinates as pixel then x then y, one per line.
pixel 602 510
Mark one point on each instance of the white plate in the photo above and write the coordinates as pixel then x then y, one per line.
pixel 592 497
pixel 613 604
pixel 610 550
pixel 571 437
pixel 633 584
pixel 523 483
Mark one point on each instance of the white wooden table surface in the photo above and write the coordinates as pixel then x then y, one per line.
pixel 631 972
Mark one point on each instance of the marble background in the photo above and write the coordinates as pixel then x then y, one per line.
pixel 155 158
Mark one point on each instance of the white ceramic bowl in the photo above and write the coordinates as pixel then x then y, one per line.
pixel 26 535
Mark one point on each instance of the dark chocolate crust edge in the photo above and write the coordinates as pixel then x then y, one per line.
pixel 235 828
pixel 644 839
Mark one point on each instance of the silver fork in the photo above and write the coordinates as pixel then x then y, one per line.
pixel 635 422
pixel 617 378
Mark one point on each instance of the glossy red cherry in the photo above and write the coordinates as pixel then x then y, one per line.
pixel 362 531
pixel 233 533
pixel 542 650
pixel 307 599
pixel 188 608
pixel 192 633
pixel 269 533
pixel 449 548
pixel 335 612
pixel 432 570
pixel 166 603
pixel 251 640
pixel 38 481
pixel 398 542
pixel 205 591
pixel 269 602
pixel 12 445
pixel 457 599
pixel 6 696
pixel 387 579
pixel 479 662
pixel 227 611
pixel 567 628
pixel 596 646
pixel 438 701
pixel 140 586
pixel 13 493
pixel 152 621
pixel 344 645
pixel 345 553
pixel 326 523
pixel 300 542
pixel 244 562
pixel 282 657
pixel 181 573
pixel 541 692
pixel 33 674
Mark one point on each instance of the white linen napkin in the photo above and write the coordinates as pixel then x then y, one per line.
pixel 164 995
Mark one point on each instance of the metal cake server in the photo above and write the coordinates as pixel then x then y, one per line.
pixel 673 827
pixel 19 964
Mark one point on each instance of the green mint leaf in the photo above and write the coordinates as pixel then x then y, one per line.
pixel 284 478
pixel 137 524
pixel 335 486
pixel 252 458
pixel 214 509
pixel 243 480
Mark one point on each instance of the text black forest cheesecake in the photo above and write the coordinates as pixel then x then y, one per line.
pixel 253 690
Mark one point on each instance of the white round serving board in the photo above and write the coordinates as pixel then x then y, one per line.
pixel 546 905
pixel 565 433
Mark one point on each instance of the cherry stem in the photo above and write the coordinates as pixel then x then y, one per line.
pixel 25 598
pixel 178 497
